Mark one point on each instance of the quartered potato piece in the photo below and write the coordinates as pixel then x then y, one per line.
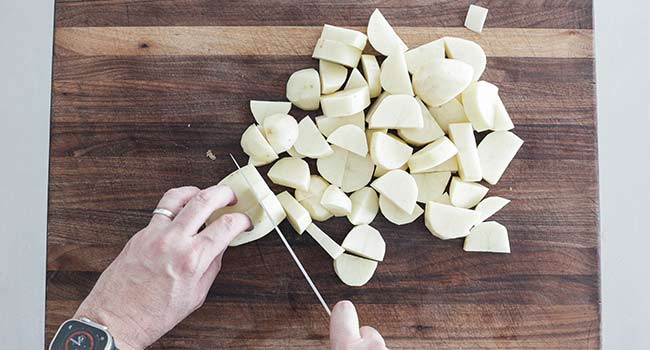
pixel 420 55
pixel 327 125
pixel 263 109
pixel 479 101
pixel 353 270
pixel 355 80
pixel 281 131
pixel 431 185
pixel 351 138
pixel 395 78
pixel 466 194
pixel 432 155
pixel 469 165
pixel 397 216
pixel 496 151
pixel 399 187
pixel 290 172
pixel 365 241
pixel 345 102
pixel 297 215
pixel 429 132
pixel 303 89
pixel 326 242
pixel 365 205
pixel 395 112
pixel 332 76
pixel 490 206
pixel 382 37
pixel 389 152
pixel 336 201
pixel 311 142
pixel 447 222
pixel 371 72
pixel 491 237
pixel 438 81
pixel 468 52
pixel 255 146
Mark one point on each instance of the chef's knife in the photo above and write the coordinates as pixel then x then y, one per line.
pixel 284 240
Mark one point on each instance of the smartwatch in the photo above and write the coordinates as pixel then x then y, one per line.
pixel 82 334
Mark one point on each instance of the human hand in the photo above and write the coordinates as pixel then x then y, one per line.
pixel 345 333
pixel 164 272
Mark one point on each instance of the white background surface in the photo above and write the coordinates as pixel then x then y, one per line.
pixel 622 51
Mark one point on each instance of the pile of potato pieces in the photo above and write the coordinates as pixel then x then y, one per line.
pixel 432 96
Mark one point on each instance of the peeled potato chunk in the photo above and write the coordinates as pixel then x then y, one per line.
pixel 255 146
pixel 382 37
pixel 397 216
pixel 311 198
pixel 489 206
pixel 351 138
pixel 399 187
pixel 353 270
pixel 491 237
pixel 247 196
pixel 447 222
pixel 479 101
pixel 388 151
pixel 263 109
pixel 311 142
pixel 365 241
pixel 380 170
pixel 332 76
pixel 432 155
pixel 345 169
pixel 443 199
pixel 431 185
pixel 290 172
pixel 394 77
pixel 292 152
pixel 297 215
pixel 332 248
pixel 336 201
pixel 281 131
pixel 440 80
pixel 303 89
pixel 337 52
pixel 449 113
pixel 345 102
pixel 327 125
pixel 395 112
pixel 502 121
pixel 355 80
pixel 466 194
pixel 469 165
pixel 261 223
pixel 496 151
pixel 343 35
pixel 371 72
pixel 365 205
pixel 468 52
pixel 418 56
pixel 429 132
pixel 448 165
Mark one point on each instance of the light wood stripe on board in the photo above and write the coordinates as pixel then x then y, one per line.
pixel 275 41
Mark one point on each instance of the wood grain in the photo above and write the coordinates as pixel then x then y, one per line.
pixel 512 13
pixel 142 89
pixel 283 40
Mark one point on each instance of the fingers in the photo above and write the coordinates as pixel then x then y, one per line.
pixel 214 239
pixel 344 324
pixel 193 215
pixel 371 335
pixel 174 200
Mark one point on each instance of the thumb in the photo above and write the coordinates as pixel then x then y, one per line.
pixel 344 324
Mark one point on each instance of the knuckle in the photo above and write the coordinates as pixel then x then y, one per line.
pixel 228 221
pixel 203 197
pixel 188 264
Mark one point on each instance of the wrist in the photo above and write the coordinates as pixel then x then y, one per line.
pixel 125 336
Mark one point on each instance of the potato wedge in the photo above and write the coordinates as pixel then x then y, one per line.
pixel 432 155
pixel 443 199
pixel 311 142
pixel 394 76
pixel 447 222
pixel 372 73
pixel 327 125
pixel 395 112
pixel 365 241
pixel 345 102
pixel 431 185
pixel 332 167
pixel 466 194
pixel 502 121
pixel 263 109
pixel 496 151
pixel 382 37
pixel 297 215
pixel 380 170
pixel 397 216
pixel 281 131
pixel 290 172
pixel 468 52
pixel 355 80
pixel 489 237
pixel 332 76
pixel 479 101
pixel 448 165
pixel 438 81
pixel 469 165
pixel 490 206
pixel 337 202
pixel 388 151
pixel 293 153
pixel 418 56
pixel 351 138
pixel 303 89
pixel 399 187
pixel 449 113
pixel 337 52
pixel 429 132
pixel 365 205
pixel 326 242
pixel 346 36
pixel 353 270
pixel 255 146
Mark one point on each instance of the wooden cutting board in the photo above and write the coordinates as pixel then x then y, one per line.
pixel 142 89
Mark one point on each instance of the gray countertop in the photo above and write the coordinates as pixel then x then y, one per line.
pixel 623 85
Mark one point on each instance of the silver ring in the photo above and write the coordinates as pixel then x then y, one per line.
pixel 164 212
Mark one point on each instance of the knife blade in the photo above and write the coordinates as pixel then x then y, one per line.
pixel 286 244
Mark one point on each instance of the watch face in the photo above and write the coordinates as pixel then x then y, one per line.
pixel 76 335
